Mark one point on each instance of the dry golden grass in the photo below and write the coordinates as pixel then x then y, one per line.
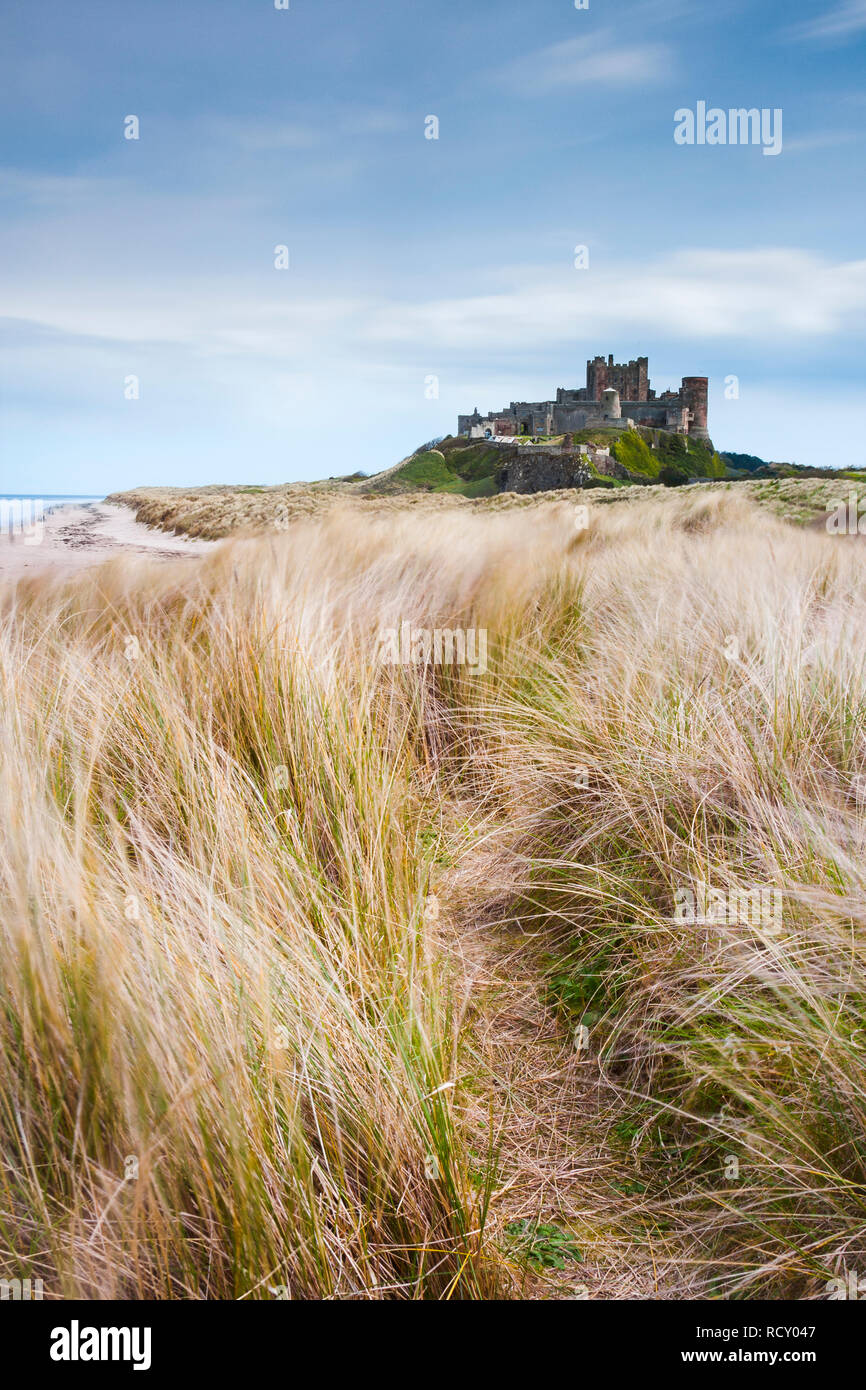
pixel 217 512
pixel 265 1020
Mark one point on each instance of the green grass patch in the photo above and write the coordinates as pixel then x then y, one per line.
pixel 543 1247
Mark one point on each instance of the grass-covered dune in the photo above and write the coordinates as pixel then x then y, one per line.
pixel 219 511
pixel 455 468
pixel 328 977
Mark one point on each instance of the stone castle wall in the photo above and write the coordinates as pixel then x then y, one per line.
pixel 658 415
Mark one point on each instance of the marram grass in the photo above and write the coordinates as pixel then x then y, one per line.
pixel 237 1033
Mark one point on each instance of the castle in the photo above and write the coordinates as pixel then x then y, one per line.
pixel 616 393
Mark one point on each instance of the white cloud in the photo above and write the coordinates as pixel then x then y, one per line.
pixel 695 294
pixel 777 293
pixel 600 59
pixel 848 18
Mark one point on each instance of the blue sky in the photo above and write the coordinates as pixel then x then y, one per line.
pixel 413 258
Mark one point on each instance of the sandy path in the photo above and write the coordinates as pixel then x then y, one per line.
pixel 542 1105
pixel 75 536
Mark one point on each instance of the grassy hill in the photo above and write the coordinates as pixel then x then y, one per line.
pixel 470 469
pixel 646 452
pixel 454 465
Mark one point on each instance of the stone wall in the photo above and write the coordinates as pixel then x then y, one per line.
pixel 665 414
pixel 655 414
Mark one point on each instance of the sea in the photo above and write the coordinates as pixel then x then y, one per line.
pixel 32 503
pixel 50 501
pixel 23 513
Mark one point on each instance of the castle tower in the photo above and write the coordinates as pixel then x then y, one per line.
pixel 610 403
pixel 695 390
pixel 596 378
pixel 631 379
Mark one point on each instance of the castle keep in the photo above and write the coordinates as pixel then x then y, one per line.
pixel 616 393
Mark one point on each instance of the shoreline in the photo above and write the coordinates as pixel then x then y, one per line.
pixel 74 536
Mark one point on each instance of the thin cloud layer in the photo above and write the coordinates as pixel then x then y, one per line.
pixel 600 59
pixel 698 294
pixel 846 20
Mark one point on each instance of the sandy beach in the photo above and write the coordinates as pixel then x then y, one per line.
pixel 73 537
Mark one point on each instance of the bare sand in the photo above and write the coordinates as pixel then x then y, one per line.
pixel 75 536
